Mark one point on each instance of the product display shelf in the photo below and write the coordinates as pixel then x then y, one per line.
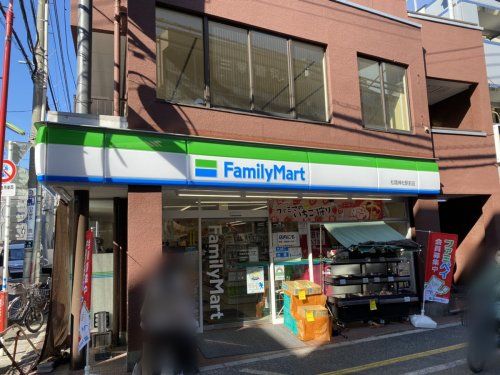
pixel 384 294
pixel 365 279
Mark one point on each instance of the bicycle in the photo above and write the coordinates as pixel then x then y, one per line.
pixel 29 305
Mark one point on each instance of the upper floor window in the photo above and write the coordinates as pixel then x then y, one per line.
pixel 180 66
pixel 384 95
pixel 204 62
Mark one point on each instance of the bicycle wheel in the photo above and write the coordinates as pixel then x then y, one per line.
pixel 15 309
pixel 33 320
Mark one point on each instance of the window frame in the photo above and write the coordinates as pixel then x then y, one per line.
pixel 293 115
pixel 387 128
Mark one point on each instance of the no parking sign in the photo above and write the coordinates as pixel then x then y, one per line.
pixel 9 170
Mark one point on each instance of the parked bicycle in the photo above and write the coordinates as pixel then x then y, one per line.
pixel 29 305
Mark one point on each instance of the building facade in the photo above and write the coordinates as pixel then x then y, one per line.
pixel 248 131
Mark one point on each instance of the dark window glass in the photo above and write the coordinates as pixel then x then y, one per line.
pixel 229 66
pixel 271 85
pixel 384 98
pixel 180 68
pixel 308 77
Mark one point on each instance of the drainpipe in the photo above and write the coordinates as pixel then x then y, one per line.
pixel 116 59
pixel 84 57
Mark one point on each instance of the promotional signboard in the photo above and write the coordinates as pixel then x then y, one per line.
pixel 324 211
pixel 86 291
pixel 440 263
pixel 286 239
pixel 255 280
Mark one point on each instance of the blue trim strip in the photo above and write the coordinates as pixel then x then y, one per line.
pixel 93 179
pixel 248 185
pixel 145 181
pixel 204 172
pixel 183 183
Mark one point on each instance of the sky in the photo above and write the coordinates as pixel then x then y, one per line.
pixel 20 97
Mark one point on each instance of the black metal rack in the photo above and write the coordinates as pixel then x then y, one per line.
pixel 395 302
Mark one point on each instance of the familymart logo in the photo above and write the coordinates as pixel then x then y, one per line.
pixel 250 171
pixel 205 168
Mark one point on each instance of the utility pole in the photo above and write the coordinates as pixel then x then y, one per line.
pixel 3 119
pixel 31 266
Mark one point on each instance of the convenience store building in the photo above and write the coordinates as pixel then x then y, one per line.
pixel 248 126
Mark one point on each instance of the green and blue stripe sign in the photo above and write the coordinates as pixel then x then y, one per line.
pixel 205 168
pixel 111 156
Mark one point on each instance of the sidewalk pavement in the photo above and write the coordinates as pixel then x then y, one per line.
pixel 117 364
pixel 25 355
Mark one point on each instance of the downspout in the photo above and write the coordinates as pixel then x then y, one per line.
pixel 84 57
pixel 116 60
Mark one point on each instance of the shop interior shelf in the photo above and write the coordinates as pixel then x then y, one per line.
pixel 380 299
pixel 365 279
pixel 365 261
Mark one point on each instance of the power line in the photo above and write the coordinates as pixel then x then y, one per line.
pixel 26 24
pixel 29 63
pixel 62 79
pixel 61 49
pixel 65 18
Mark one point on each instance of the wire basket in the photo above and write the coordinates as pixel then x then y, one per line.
pixel 39 296
pixel 16 289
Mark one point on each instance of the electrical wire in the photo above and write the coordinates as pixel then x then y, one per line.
pixel 55 16
pixel 62 77
pixel 29 63
pixel 65 27
pixel 28 28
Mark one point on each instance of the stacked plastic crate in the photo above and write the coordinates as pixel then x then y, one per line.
pixel 304 310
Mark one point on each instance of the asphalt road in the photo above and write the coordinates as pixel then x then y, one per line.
pixel 440 351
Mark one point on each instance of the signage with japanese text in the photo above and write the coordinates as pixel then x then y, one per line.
pixel 326 211
pixel 440 262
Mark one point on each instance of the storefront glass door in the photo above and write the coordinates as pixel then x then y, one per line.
pixel 235 270
pixel 181 238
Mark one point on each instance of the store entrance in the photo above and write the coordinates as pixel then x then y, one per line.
pixel 235 270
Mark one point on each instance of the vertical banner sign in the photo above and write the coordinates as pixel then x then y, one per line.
pixel 439 266
pixel 86 291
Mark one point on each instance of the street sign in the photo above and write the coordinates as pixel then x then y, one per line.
pixel 8 190
pixel 8 171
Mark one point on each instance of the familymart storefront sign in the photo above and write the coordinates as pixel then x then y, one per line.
pixel 112 156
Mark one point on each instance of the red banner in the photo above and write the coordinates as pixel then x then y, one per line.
pixel 440 264
pixel 324 211
pixel 87 269
pixel 86 291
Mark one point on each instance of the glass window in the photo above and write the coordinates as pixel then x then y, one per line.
pixel 396 104
pixel 371 94
pixel 235 270
pixel 384 98
pixel 246 69
pixel 180 67
pixel 271 86
pixel 229 67
pixel 308 76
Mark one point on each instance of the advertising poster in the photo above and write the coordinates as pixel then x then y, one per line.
pixel 286 239
pixel 279 272
pixel 440 263
pixel 255 280
pixel 326 211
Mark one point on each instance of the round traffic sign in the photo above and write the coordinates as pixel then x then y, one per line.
pixel 8 171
